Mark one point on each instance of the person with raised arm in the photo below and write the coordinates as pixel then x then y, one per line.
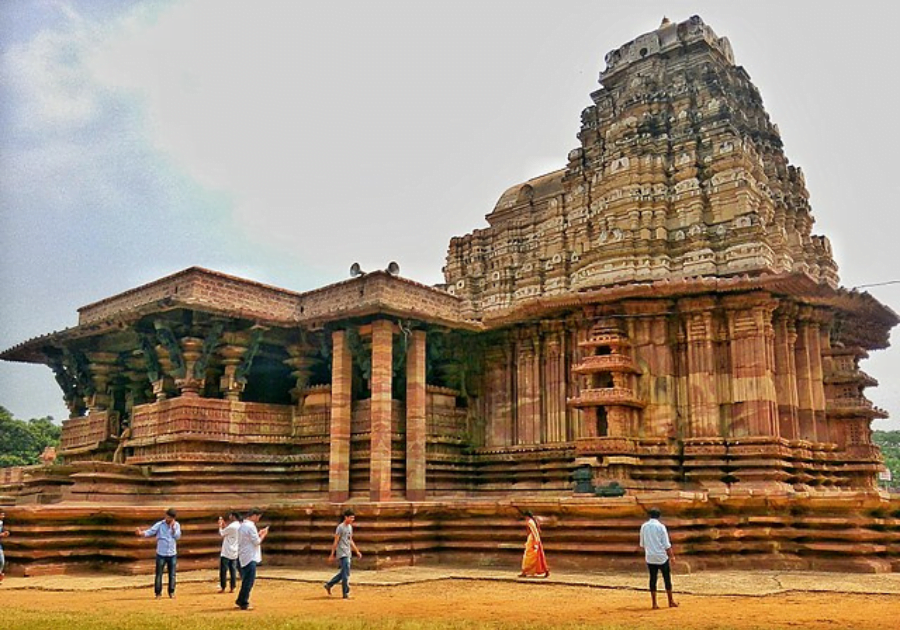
pixel 228 558
pixel 249 555
pixel 166 532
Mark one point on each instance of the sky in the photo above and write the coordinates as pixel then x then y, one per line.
pixel 283 141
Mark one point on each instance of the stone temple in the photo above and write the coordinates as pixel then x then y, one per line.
pixel 652 324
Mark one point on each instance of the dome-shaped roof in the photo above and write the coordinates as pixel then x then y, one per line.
pixel 536 188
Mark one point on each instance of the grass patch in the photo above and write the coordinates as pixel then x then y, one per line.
pixel 42 620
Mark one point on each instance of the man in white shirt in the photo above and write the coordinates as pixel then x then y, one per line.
pixel 228 559
pixel 658 552
pixel 249 555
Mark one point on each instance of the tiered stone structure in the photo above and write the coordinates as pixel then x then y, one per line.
pixel 656 318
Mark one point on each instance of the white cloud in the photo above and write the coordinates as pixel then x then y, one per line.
pixel 49 73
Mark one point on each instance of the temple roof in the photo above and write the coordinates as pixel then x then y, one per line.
pixel 221 294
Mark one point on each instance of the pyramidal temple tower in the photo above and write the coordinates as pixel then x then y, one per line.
pixel 669 273
pixel 680 174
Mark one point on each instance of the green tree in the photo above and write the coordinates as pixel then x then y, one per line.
pixel 889 441
pixel 22 442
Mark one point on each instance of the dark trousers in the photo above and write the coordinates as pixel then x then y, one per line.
pixel 227 568
pixel 248 577
pixel 342 576
pixel 655 570
pixel 169 563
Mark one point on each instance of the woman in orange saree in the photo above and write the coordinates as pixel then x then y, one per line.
pixel 534 562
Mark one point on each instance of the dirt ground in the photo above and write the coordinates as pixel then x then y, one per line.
pixel 734 601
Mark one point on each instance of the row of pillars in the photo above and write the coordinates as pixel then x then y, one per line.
pixel 381 414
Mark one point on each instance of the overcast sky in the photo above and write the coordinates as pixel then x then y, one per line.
pixel 282 141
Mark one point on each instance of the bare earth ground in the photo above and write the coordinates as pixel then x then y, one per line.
pixel 469 598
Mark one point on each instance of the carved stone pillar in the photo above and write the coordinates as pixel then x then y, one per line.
pixel 382 408
pixel 575 420
pixel 752 364
pixel 237 352
pixel 137 383
pixel 416 434
pixel 810 385
pixel 498 395
pixel 786 373
pixel 553 384
pixel 341 390
pixel 165 384
pixel 232 354
pixel 653 351
pixel 189 385
pixel 805 417
pixel 101 366
pixel 299 363
pixel 528 410
pixel 701 377
pixel 171 360
pixel 824 428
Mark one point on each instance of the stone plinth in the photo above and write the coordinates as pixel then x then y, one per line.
pixel 828 531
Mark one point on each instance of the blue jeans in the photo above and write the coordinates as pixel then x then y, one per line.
pixel 342 576
pixel 227 569
pixel 248 577
pixel 168 562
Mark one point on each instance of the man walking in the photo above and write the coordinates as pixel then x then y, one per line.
pixel 658 553
pixel 228 559
pixel 166 531
pixel 249 555
pixel 344 547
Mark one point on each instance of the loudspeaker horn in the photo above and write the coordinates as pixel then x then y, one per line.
pixel 393 268
pixel 356 270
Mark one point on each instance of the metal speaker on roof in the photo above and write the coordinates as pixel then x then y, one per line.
pixel 393 268
pixel 356 270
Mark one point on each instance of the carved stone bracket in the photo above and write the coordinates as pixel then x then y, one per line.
pixel 244 368
pixel 209 345
pixel 68 383
pixel 151 361
pixel 167 339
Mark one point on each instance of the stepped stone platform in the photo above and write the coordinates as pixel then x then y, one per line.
pixel 837 531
